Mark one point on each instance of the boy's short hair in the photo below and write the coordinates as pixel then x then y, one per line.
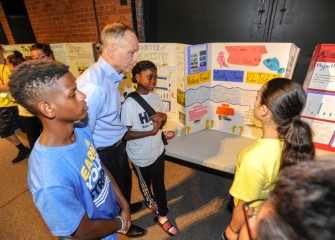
pixel 34 81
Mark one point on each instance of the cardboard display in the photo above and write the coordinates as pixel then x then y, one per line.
pixel 223 79
pixel 22 48
pixel 209 85
pixel 78 56
pixel 169 59
pixel 320 88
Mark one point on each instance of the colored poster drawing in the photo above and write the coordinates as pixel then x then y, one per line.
pixel 245 55
pixel 199 78
pixel 228 75
pixel 197 58
pixel 197 112
pixel 274 65
pixel 260 77
pixel 199 95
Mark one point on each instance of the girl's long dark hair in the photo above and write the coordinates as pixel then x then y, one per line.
pixel 286 100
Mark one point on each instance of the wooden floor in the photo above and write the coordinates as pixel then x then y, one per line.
pixel 122 237
pixel 197 200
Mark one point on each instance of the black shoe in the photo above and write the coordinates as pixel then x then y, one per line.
pixel 23 154
pixel 136 231
pixel 135 207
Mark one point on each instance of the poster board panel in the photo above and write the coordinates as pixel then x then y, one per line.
pixel 237 71
pixel 320 88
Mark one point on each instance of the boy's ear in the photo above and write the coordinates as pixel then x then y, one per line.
pixel 46 109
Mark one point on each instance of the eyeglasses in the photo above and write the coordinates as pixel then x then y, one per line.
pixel 251 209
pixel 39 57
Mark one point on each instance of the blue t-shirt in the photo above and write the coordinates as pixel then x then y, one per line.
pixel 68 181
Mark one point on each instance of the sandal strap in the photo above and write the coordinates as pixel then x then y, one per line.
pixel 167 225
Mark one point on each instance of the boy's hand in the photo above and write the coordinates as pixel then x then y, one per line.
pixel 126 221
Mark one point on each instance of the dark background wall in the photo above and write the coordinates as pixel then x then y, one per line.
pixel 303 22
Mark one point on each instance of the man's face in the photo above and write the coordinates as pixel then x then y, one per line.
pixel 126 54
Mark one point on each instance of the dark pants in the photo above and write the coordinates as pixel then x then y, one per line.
pixel 154 175
pixel 32 127
pixel 115 160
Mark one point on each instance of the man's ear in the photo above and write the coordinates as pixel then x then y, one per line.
pixel 111 49
pixel 47 109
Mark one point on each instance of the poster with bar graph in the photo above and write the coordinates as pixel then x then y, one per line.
pixel 319 111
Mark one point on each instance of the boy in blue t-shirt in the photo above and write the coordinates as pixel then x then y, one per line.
pixel 75 194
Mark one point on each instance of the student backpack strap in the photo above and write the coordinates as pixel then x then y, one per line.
pixel 145 105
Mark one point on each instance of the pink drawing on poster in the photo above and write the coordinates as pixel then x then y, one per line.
pixel 221 60
pixel 197 112
pixel 245 55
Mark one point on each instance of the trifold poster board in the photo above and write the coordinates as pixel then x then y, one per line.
pixel 22 48
pixel 170 61
pixel 222 80
pixel 78 56
pixel 320 88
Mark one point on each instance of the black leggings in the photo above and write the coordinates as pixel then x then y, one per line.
pixel 153 175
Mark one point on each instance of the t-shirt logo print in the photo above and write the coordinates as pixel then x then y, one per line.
pixel 95 177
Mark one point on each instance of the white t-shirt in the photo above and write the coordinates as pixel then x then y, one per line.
pixel 143 151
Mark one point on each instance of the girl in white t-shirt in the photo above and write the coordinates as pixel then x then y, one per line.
pixel 145 147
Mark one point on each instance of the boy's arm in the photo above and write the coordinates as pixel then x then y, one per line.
pixel 123 203
pixel 96 229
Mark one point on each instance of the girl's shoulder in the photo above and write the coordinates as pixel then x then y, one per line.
pixel 263 146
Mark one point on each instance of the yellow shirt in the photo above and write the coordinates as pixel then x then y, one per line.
pixel 24 112
pixel 257 170
pixel 6 100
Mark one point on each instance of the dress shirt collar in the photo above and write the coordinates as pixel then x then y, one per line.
pixel 109 70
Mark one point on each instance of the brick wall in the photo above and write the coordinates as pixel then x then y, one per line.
pixel 74 20
pixel 5 26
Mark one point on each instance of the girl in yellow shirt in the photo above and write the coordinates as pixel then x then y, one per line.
pixel 9 121
pixel 286 140
pixel 30 123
